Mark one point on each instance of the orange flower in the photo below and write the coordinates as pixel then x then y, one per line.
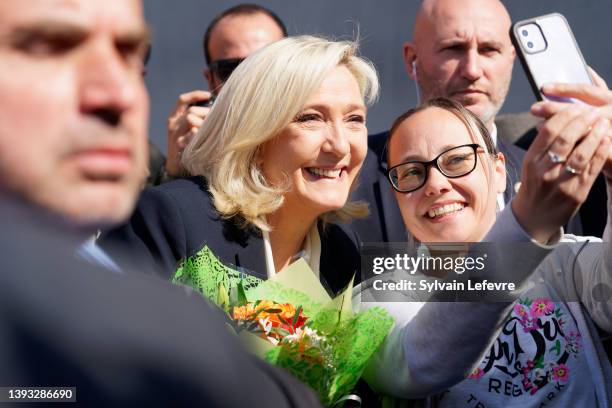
pixel 243 312
pixel 272 311
pixel 287 311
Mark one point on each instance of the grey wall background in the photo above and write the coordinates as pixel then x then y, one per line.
pixel 177 60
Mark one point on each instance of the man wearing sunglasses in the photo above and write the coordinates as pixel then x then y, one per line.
pixel 231 37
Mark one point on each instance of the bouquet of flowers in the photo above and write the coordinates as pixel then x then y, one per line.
pixel 290 321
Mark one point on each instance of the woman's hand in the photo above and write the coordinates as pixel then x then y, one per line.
pixel 561 165
pixel 598 96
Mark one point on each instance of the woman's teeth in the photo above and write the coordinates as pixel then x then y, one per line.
pixel 329 173
pixel 444 210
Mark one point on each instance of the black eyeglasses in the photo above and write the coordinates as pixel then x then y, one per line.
pixel 223 68
pixel 453 163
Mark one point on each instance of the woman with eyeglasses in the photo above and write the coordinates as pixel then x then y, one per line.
pixel 446 174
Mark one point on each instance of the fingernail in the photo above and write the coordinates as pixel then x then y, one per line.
pixel 537 107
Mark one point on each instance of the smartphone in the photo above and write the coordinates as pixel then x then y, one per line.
pixel 207 103
pixel 549 53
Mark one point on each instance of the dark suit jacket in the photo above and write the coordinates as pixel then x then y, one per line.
pixel 157 161
pixel 175 220
pixel 510 128
pixel 513 127
pixel 514 162
pixel 384 224
pixel 120 339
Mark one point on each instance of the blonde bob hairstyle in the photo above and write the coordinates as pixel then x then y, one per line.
pixel 262 96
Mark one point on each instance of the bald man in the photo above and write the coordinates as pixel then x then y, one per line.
pixel 461 49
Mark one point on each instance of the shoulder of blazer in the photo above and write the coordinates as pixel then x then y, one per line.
pixel 511 127
pixel 179 189
pixel 189 197
pixel 177 219
pixel 195 203
pixel 377 147
pixel 514 152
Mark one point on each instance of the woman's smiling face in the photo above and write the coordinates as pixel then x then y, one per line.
pixel 321 151
pixel 445 209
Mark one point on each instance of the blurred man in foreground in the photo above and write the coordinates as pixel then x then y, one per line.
pixel 72 158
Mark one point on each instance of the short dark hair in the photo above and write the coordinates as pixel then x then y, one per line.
pixel 245 9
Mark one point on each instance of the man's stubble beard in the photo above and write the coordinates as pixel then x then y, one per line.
pixel 487 116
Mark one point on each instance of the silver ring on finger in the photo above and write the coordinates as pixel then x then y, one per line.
pixel 574 172
pixel 555 158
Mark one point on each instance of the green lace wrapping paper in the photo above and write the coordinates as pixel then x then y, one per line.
pixel 353 341
pixel 353 337
pixel 205 273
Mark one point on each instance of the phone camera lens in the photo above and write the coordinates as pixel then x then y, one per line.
pixel 525 33
pixel 530 44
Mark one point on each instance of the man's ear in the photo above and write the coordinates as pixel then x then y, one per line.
pixel 499 168
pixel 209 78
pixel 410 59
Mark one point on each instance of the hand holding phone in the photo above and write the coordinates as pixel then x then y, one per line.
pixel 598 97
pixel 205 103
pixel 549 53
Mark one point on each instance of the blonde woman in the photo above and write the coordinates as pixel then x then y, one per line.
pixel 272 166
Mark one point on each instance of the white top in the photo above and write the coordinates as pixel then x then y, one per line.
pixel 311 251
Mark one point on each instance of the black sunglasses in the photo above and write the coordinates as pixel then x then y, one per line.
pixel 453 163
pixel 223 68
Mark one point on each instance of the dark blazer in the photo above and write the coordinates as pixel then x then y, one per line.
pixel 510 127
pixel 157 161
pixel 514 127
pixel 177 219
pixel 384 224
pixel 120 339
pixel 514 162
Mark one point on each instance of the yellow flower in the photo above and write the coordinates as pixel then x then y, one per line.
pixel 285 311
pixel 243 312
